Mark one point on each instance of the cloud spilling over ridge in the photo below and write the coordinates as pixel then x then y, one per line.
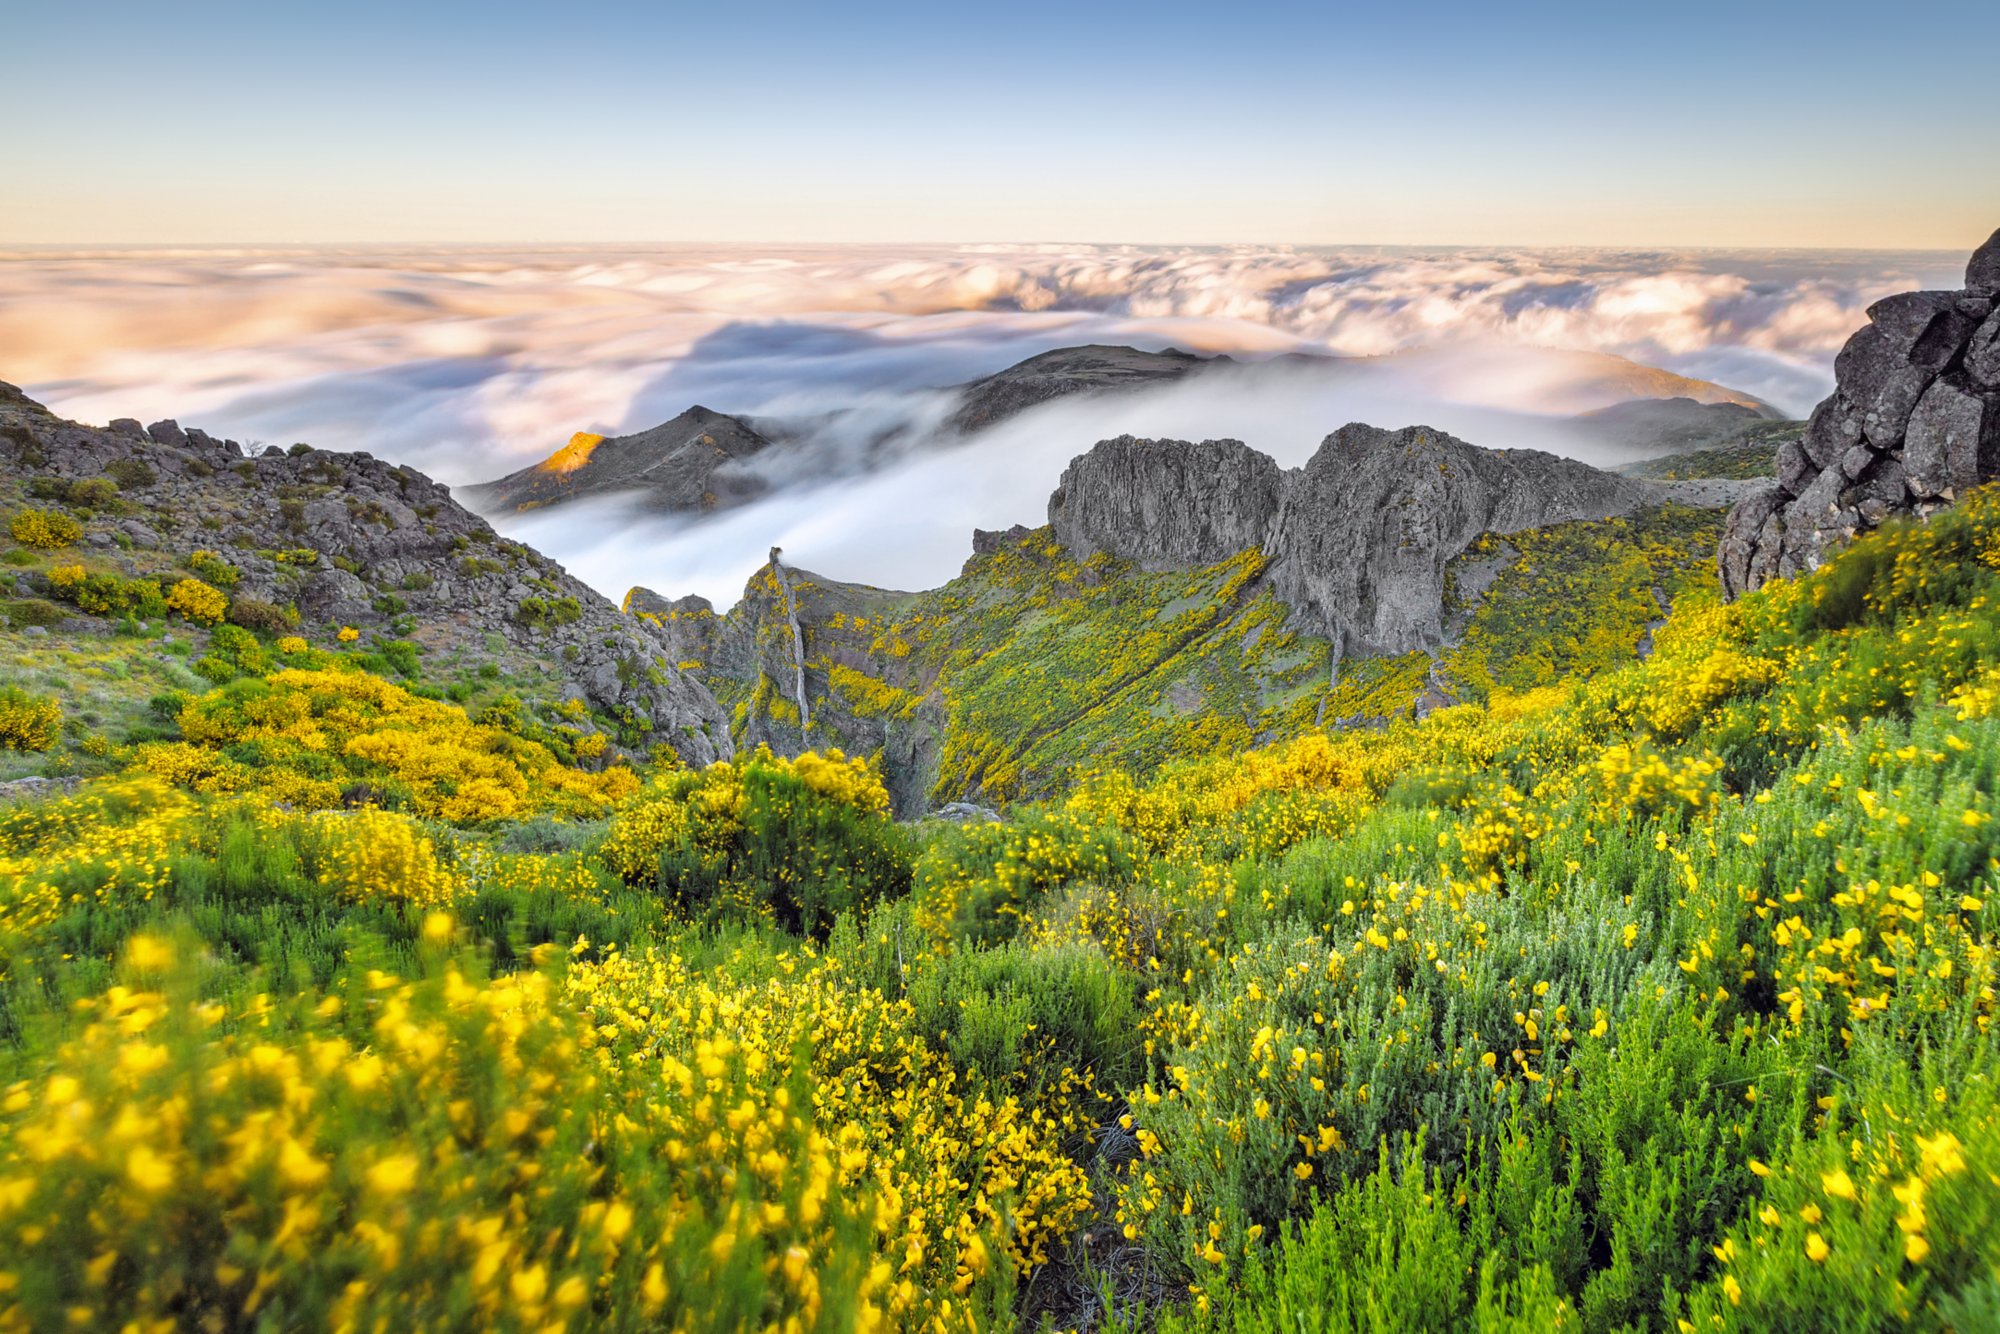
pixel 470 363
pixel 908 525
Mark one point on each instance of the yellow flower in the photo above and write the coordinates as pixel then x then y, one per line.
pixel 148 954
pixel 1943 1155
pixel 1302 1171
pixel 348 634
pixel 1837 1184
pixel 149 1171
pixel 1915 1248
pixel 1732 1289
pixel 394 1174
pixel 1816 1248
pixel 529 1286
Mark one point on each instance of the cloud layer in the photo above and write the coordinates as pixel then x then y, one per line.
pixel 470 363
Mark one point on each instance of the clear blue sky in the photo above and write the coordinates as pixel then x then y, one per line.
pixel 1829 124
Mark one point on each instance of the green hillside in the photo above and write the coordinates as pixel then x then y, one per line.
pixel 1630 992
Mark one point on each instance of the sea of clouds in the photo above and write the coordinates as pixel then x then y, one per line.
pixel 469 363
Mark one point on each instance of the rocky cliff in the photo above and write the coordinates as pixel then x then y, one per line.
pixel 347 540
pixel 1357 541
pixel 1913 421
pixel 685 465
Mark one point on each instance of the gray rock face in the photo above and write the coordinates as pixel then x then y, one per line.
pixel 683 465
pixel 1982 272
pixel 1167 503
pixel 1357 540
pixel 349 540
pixel 1368 525
pixel 1094 368
pixel 1913 421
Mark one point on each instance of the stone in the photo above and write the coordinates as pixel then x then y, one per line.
pixel 1982 354
pixel 1942 449
pixel 1982 272
pixel 1795 466
pixel 167 432
pixel 1912 424
pixel 1925 329
pixel 1832 430
pixel 1166 503
pixel 1742 536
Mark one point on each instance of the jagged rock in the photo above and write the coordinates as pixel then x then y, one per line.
pixel 1743 533
pixel 27 789
pixel 1165 503
pixel 1982 272
pixel 987 541
pixel 1357 540
pixel 1982 354
pixel 1914 419
pixel 1367 526
pixel 965 812
pixel 418 552
pixel 1091 369
pixel 1794 466
pixel 1948 432
pixel 682 465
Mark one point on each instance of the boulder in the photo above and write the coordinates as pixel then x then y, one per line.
pixel 1941 451
pixel 1982 273
pixel 1166 503
pixel 1912 423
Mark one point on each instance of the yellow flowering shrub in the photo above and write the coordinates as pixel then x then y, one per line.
pixel 28 722
pixel 436 1145
pixel 45 530
pixel 198 601
pixel 316 734
pixel 795 841
pixel 368 854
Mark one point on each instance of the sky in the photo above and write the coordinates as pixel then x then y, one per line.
pixel 1450 123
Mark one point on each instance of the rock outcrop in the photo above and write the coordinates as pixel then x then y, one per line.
pixel 1356 541
pixel 1167 503
pixel 1912 423
pixel 349 540
pixel 1092 369
pixel 686 465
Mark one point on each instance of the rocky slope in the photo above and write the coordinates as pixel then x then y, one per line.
pixel 347 540
pixel 1648 427
pixel 1193 595
pixel 1095 368
pixel 1913 421
pixel 683 465
pixel 1357 540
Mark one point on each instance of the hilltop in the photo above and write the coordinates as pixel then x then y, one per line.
pixel 337 549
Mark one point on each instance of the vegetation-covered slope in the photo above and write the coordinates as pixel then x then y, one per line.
pixel 1033 664
pixel 1658 996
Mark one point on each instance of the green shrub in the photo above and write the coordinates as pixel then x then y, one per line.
pixel 258 614
pixel 131 474
pixel 212 567
pixel 539 613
